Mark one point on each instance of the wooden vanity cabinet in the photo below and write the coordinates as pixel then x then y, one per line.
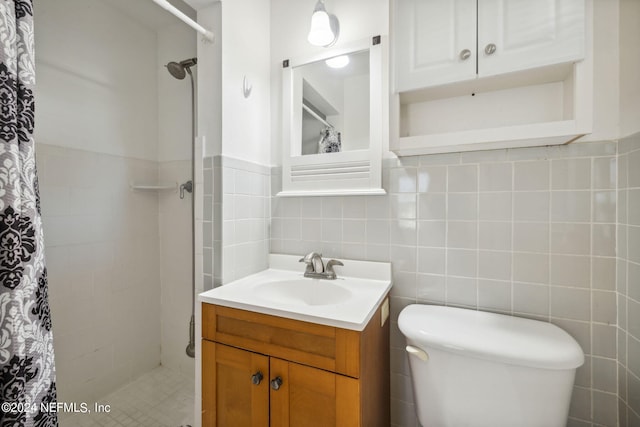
pixel 228 394
pixel 329 376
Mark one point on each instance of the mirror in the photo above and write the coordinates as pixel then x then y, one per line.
pixel 335 104
pixel 333 121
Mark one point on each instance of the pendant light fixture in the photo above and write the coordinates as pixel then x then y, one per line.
pixel 325 28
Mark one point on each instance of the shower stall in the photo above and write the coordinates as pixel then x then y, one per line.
pixel 114 146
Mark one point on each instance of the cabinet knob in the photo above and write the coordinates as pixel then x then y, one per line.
pixel 276 383
pixel 465 54
pixel 257 378
pixel 490 49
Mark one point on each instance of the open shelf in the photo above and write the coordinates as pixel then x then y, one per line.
pixel 161 187
pixel 545 106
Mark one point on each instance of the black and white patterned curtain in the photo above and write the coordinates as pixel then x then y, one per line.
pixel 27 372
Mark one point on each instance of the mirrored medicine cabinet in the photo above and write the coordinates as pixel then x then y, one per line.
pixel 333 121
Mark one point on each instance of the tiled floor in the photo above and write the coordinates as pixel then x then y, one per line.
pixel 160 398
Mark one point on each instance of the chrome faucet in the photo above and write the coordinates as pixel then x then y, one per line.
pixel 314 263
pixel 316 268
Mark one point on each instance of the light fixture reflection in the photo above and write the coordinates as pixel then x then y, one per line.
pixel 325 28
pixel 338 61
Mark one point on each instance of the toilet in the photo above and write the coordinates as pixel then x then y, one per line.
pixel 477 369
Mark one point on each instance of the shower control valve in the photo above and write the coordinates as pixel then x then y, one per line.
pixel 187 186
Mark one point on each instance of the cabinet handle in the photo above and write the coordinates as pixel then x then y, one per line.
pixel 490 49
pixel 465 54
pixel 256 378
pixel 276 383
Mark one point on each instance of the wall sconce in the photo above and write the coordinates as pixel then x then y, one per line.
pixel 325 28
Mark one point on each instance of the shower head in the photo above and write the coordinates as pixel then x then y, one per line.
pixel 176 70
pixel 179 69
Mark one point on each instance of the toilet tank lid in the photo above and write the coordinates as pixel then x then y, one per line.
pixel 490 336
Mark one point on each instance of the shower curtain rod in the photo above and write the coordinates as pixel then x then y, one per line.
pixel 317 116
pixel 184 18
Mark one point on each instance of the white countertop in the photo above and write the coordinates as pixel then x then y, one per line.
pixel 367 282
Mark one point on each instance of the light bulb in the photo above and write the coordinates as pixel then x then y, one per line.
pixel 338 61
pixel 320 33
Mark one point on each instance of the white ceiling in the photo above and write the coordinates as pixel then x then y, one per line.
pixel 150 14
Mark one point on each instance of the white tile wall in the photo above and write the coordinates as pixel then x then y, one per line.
pixel 212 223
pixel 527 232
pixel 119 263
pixel 102 259
pixel 237 219
pixel 175 264
pixel 628 280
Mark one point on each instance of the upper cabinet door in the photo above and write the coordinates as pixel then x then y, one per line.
pixel 435 42
pixel 521 34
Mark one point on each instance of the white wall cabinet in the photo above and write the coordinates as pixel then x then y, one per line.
pixel 435 42
pixel 444 41
pixel 528 34
pixel 483 74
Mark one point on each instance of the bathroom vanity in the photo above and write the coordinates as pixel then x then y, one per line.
pixel 279 350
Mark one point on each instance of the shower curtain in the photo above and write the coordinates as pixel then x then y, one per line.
pixel 27 373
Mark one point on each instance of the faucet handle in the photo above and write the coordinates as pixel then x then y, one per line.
pixel 329 268
pixel 333 262
pixel 313 261
pixel 309 268
pixel 308 258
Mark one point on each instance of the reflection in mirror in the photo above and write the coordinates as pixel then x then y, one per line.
pixel 335 104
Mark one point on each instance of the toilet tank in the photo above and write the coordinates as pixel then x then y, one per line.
pixel 475 369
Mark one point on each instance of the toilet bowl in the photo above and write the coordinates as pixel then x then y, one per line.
pixel 475 369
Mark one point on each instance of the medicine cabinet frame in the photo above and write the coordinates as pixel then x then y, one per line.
pixel 351 172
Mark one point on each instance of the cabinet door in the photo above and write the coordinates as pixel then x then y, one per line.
pixel 528 34
pixel 310 397
pixel 432 40
pixel 229 396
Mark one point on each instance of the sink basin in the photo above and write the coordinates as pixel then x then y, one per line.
pixel 303 291
pixel 348 302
